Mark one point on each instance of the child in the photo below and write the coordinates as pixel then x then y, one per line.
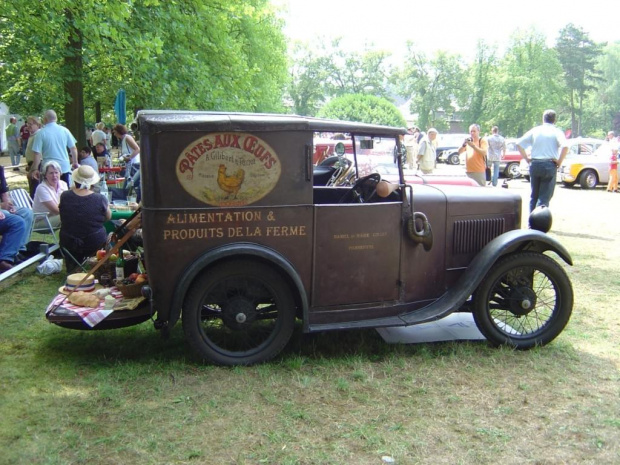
pixel 613 171
pixel 86 158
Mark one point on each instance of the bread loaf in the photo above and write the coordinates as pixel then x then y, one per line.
pixel 84 299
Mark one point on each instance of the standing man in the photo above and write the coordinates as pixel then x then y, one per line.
pixel 427 152
pixel 496 151
pixel 476 155
pixel 12 138
pixel 51 143
pixel 24 135
pixel 411 144
pixel 545 141
pixel 610 136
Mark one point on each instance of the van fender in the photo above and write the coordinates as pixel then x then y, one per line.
pixel 237 250
pixel 518 240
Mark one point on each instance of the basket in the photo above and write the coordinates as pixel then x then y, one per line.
pixel 130 291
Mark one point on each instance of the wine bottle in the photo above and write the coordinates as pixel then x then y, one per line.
pixel 120 266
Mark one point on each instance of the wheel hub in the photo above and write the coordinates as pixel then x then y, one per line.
pixel 238 311
pixel 522 301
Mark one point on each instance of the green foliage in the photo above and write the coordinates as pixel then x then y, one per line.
pixel 317 75
pixel 309 73
pixel 525 83
pixel 602 107
pixel 578 55
pixel 479 93
pixel 363 108
pixel 431 84
pixel 183 54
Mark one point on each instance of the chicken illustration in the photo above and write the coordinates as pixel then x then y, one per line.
pixel 232 183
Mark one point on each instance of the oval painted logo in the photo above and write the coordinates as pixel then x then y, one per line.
pixel 228 169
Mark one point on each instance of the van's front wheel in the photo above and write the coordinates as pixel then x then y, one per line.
pixel 525 300
pixel 239 313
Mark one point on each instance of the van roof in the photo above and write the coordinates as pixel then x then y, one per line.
pixel 222 121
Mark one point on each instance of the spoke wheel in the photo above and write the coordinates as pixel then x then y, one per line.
pixel 240 313
pixel 525 300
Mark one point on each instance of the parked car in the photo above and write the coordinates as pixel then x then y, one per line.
pixel 324 148
pixel 576 146
pixel 339 168
pixel 448 146
pixel 587 169
pixel 509 163
pixel 241 246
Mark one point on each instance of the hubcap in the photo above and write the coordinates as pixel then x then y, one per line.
pixel 522 301
pixel 237 312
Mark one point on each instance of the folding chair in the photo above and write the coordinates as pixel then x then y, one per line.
pixel 21 198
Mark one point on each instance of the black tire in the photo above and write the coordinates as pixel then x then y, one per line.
pixel 588 179
pixel 241 312
pixel 454 159
pixel 512 171
pixel 525 300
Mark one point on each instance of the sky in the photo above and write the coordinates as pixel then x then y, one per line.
pixel 450 25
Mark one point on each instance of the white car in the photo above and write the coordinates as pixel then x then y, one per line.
pixel 587 169
pixel 576 147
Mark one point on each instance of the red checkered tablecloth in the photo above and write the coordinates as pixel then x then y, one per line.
pixel 90 316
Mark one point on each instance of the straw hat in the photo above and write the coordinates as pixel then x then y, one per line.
pixel 85 176
pixel 74 279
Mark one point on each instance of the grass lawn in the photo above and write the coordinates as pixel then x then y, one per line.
pixel 127 396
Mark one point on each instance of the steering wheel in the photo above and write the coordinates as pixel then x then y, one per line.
pixel 363 190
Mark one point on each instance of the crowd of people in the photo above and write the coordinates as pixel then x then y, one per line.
pixel 544 148
pixel 64 184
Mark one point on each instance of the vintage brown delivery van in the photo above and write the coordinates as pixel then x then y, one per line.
pixel 244 238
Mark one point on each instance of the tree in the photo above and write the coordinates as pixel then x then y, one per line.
pixel 578 55
pixel 357 73
pixel 478 96
pixel 184 54
pixel 602 107
pixel 330 71
pixel 526 82
pixel 365 109
pixel 432 85
pixel 309 73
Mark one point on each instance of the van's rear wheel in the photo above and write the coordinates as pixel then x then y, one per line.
pixel 240 313
pixel 525 300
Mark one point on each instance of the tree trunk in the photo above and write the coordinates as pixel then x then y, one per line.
pixel 73 84
pixel 97 111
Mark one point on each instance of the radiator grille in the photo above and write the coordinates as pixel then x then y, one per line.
pixel 472 235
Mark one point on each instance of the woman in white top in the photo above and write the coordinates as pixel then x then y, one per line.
pixel 98 135
pixel 130 152
pixel 47 195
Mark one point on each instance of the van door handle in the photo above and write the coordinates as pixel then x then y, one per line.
pixel 308 162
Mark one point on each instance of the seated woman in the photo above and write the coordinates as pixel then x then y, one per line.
pixel 47 195
pixel 83 213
